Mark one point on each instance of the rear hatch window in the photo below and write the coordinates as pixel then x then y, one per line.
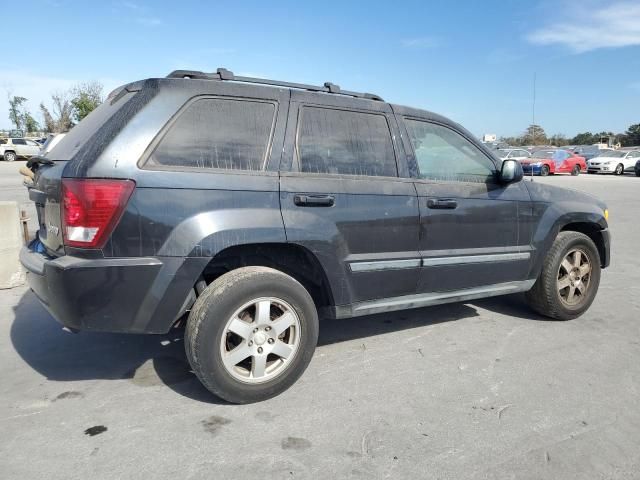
pixel 79 135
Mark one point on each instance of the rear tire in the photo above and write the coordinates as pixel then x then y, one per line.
pixel 576 171
pixel 544 170
pixel 569 280
pixel 9 156
pixel 251 334
pixel 619 169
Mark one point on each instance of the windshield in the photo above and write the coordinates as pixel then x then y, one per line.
pixel 543 154
pixel 613 154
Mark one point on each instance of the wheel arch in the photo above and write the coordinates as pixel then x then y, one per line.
pixel 291 259
pixel 594 232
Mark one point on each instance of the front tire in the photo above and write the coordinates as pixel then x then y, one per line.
pixel 569 280
pixel 9 157
pixel 251 334
pixel 619 169
pixel 544 170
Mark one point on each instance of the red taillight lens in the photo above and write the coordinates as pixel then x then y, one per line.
pixel 91 208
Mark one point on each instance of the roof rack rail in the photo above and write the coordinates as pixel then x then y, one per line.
pixel 224 74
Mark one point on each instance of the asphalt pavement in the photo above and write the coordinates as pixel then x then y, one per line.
pixel 485 389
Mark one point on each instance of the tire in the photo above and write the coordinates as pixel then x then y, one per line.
pixel 547 297
pixel 9 156
pixel 232 304
pixel 544 170
pixel 619 169
pixel 576 171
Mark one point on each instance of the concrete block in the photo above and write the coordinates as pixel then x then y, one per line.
pixel 11 272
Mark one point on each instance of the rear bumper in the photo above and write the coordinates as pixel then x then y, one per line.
pixel 132 295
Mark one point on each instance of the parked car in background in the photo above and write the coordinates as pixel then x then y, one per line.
pixel 615 161
pixel 15 148
pixel 51 141
pixel 551 161
pixel 590 151
pixel 512 153
pixel 247 207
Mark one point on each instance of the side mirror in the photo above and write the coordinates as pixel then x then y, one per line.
pixel 511 171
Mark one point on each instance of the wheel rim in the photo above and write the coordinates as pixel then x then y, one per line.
pixel 574 277
pixel 545 171
pixel 10 157
pixel 260 340
pixel 619 169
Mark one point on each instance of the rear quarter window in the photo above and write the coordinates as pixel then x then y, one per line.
pixel 218 133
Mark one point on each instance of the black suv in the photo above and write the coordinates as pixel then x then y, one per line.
pixel 250 206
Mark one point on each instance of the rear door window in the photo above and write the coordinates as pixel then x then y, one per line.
pixel 333 141
pixel 18 141
pixel 218 133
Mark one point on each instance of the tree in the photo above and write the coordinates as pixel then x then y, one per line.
pixel 16 114
pixel 30 123
pixel 60 119
pixel 86 97
pixel 558 140
pixel 631 137
pixel 534 135
pixel 585 138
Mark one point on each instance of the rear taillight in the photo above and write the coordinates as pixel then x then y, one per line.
pixel 91 208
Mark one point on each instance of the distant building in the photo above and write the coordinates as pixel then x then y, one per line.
pixel 489 137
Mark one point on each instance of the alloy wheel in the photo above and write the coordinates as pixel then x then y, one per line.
pixel 260 340
pixel 574 277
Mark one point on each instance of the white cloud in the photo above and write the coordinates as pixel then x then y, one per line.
pixel 149 21
pixel 37 88
pixel 588 28
pixel 421 42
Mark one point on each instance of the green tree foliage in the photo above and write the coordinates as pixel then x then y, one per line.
pixel 20 116
pixel 30 123
pixel 631 138
pixel 585 138
pixel 558 140
pixel 534 135
pixel 86 97
pixel 16 111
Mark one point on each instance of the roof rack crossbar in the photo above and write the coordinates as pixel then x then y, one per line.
pixel 224 74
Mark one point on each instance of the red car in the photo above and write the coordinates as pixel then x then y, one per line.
pixel 544 162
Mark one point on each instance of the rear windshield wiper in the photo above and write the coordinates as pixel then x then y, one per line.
pixel 34 162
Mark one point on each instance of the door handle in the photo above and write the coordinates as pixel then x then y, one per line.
pixel 314 200
pixel 442 203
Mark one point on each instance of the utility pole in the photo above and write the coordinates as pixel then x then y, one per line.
pixel 533 113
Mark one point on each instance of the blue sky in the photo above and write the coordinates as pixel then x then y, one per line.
pixel 469 60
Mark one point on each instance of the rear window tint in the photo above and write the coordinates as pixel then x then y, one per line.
pixel 218 133
pixel 345 142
